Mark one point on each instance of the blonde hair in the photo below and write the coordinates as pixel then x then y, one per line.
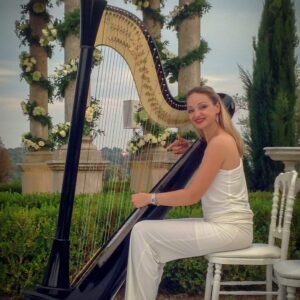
pixel 224 117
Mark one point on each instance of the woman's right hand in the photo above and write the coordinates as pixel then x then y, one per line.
pixel 179 146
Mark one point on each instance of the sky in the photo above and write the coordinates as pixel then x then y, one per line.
pixel 229 28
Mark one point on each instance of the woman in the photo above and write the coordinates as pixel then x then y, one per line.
pixel 220 184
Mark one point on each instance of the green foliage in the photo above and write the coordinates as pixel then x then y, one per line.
pixel 71 24
pixel 195 8
pixel 28 225
pixel 11 186
pixel 173 65
pixel 271 91
pixel 155 14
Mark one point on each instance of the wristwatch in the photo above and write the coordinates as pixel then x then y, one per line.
pixel 153 199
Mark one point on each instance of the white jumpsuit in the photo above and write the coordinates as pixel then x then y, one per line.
pixel 226 225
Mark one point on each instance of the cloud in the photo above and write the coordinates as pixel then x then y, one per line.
pixel 10 103
pixel 6 74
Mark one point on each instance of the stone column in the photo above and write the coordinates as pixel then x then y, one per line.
pixel 37 93
pixel 91 165
pixel 153 26
pixel 36 176
pixel 72 50
pixel 188 40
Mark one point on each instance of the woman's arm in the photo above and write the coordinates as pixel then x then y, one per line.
pixel 213 159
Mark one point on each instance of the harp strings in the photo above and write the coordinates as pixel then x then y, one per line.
pixel 101 214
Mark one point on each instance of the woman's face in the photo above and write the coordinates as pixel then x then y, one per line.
pixel 201 110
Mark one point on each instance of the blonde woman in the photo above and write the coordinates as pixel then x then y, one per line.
pixel 219 183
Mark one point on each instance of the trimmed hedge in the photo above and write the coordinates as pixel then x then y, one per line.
pixel 11 186
pixel 28 225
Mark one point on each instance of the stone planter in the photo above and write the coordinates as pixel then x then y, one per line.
pixel 149 167
pixel 36 175
pixel 90 169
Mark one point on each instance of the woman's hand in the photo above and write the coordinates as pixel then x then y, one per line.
pixel 179 146
pixel 141 199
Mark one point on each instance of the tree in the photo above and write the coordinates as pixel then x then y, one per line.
pixel 5 164
pixel 272 90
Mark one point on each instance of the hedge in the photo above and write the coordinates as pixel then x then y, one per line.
pixel 28 226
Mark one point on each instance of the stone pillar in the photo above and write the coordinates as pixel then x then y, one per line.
pixel 153 26
pixel 90 170
pixel 189 76
pixel 37 93
pixel 36 176
pixel 72 50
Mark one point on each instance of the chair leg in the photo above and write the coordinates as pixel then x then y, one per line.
pixel 216 282
pixel 208 284
pixel 280 292
pixel 269 279
pixel 291 291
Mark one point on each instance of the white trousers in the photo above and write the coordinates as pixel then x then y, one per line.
pixel 155 242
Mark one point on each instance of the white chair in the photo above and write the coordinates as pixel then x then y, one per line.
pixel 287 273
pixel 258 254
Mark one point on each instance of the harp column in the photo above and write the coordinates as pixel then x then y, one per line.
pixel 189 76
pixel 91 165
pixel 36 176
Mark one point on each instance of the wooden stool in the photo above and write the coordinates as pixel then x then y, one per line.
pixel 288 274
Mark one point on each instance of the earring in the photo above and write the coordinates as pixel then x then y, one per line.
pixel 218 118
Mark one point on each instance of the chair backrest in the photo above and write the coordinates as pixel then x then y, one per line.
pixel 282 209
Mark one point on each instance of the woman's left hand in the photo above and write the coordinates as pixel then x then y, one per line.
pixel 141 199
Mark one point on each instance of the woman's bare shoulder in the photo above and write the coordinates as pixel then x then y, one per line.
pixel 222 139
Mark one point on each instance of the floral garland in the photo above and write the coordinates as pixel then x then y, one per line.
pixel 49 34
pixel 71 24
pixel 182 12
pixel 173 65
pixel 141 118
pixel 36 113
pixel 92 115
pixel 33 143
pixel 144 5
pixel 139 142
pixel 37 8
pixel 63 74
pixel 60 132
pixel 33 76
pixel 22 27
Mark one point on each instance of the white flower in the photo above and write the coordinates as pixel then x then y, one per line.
pixel 41 143
pixel 141 143
pixel 39 111
pixel 45 32
pixel 53 32
pixel 62 133
pixel 154 140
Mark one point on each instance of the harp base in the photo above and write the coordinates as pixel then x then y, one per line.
pixel 46 293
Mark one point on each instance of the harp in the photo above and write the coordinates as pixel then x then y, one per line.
pixel 105 272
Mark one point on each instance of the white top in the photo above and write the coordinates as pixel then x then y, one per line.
pixel 226 199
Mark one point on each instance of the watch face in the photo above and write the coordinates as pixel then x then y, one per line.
pixel 153 199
